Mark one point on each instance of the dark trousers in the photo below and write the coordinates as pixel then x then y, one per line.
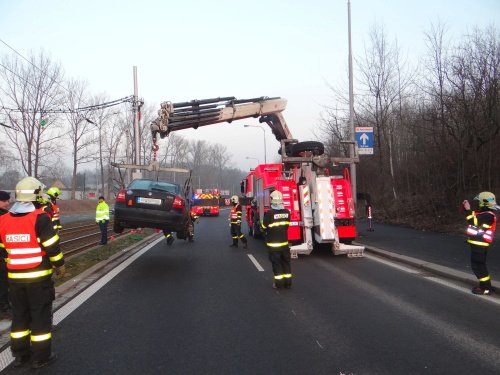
pixel 32 318
pixel 236 234
pixel 478 265
pixel 103 226
pixel 280 260
pixel 4 287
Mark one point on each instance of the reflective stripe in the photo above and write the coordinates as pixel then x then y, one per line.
pixel 273 244
pixel 279 277
pixel 2 245
pixel 23 251
pixel 486 278
pixel 479 243
pixel 50 241
pixel 277 224
pixel 287 275
pixel 20 334
pixel 29 275
pixel 15 261
pixel 44 337
pixel 56 258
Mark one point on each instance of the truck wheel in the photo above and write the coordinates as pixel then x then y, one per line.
pixel 117 228
pixel 317 148
pixel 289 149
pixel 256 231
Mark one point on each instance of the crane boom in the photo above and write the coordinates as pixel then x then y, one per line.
pixel 196 113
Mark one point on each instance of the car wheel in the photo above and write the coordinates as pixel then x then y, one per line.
pixel 317 148
pixel 117 228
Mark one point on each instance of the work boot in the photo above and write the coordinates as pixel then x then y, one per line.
pixel 21 360
pixel 480 291
pixel 170 240
pixel 233 245
pixel 245 246
pixel 44 362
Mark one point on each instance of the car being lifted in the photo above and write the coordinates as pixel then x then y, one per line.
pixel 147 203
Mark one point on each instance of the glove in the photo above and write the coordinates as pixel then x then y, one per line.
pixel 60 272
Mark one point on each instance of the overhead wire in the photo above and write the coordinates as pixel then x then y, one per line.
pixel 76 110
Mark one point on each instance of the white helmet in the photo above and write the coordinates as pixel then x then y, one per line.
pixel 29 189
pixel 486 199
pixel 235 199
pixel 276 197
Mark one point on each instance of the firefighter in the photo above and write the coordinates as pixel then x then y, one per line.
pixel 102 219
pixel 31 247
pixel 235 223
pixel 169 237
pixel 53 193
pixel 480 232
pixel 275 225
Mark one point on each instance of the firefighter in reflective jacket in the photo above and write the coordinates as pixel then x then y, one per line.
pixel 275 224
pixel 480 232
pixel 53 194
pixel 30 245
pixel 235 223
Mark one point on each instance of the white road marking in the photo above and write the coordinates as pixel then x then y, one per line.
pixel 435 279
pixel 6 357
pixel 255 263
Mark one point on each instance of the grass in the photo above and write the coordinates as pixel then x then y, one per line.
pixel 80 263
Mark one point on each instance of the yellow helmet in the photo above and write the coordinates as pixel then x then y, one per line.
pixel 29 189
pixel 486 199
pixel 276 197
pixel 235 199
pixel 54 192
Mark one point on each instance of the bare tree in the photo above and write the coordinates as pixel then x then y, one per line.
pixel 79 129
pixel 383 85
pixel 30 90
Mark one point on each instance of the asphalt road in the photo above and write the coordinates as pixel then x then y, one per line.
pixel 206 308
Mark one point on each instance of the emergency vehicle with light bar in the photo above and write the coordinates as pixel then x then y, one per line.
pixel 205 202
pixel 320 201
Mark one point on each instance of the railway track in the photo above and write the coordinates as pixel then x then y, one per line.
pixel 76 238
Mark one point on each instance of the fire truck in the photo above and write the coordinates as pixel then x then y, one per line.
pixel 319 198
pixel 205 202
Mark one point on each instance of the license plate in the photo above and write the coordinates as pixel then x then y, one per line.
pixel 149 200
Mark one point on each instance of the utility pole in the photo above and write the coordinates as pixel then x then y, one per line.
pixel 351 108
pixel 137 135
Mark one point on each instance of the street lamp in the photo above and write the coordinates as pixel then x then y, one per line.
pixel 248 157
pixel 264 131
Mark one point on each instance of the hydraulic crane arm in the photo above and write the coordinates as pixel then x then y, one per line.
pixel 196 113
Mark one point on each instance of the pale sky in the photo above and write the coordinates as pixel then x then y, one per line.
pixel 195 49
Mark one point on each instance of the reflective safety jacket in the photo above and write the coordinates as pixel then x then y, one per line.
pixel 481 228
pixel 102 212
pixel 235 215
pixel 30 245
pixel 276 223
pixel 56 219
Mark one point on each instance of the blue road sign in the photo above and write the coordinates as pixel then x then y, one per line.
pixel 364 140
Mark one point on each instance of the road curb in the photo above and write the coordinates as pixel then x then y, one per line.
pixel 436 269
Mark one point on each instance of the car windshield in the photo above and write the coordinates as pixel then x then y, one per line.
pixel 154 185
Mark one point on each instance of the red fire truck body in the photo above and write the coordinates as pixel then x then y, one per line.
pixel 333 206
pixel 205 202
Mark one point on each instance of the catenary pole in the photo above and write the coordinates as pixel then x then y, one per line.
pixel 137 134
pixel 351 107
